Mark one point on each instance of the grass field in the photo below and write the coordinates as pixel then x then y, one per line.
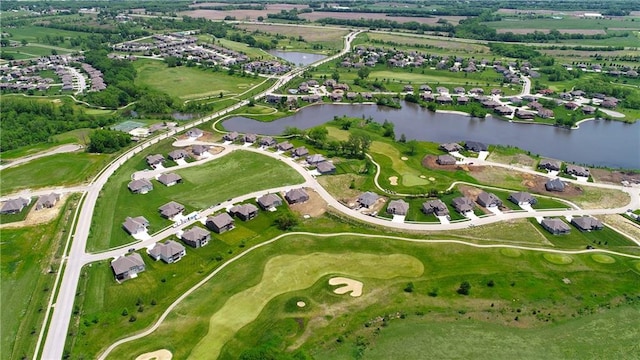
pixel 32 51
pixel 330 38
pixel 566 23
pixel 331 326
pixel 54 170
pixel 576 239
pixel 26 257
pixel 190 82
pixel 203 186
pixel 35 34
pixel 431 44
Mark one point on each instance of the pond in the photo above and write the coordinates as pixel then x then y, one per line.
pixel 297 58
pixel 597 143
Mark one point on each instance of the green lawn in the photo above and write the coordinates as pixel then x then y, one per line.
pixel 215 181
pixel 190 82
pixel 9 218
pixel 333 326
pixel 35 34
pixel 32 51
pixel 54 170
pixel 576 239
pixel 26 257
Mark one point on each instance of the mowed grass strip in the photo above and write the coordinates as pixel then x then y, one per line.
pixel 55 170
pixel 238 173
pixel 291 272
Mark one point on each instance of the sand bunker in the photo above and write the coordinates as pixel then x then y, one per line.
pixel 350 285
pixel 301 304
pixel 393 180
pixel 162 354
pixel 432 179
pixel 404 158
pixel 422 177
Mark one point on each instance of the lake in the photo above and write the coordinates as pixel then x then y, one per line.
pixel 297 58
pixel 596 143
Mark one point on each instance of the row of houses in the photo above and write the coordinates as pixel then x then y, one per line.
pixel 556 165
pixel 583 223
pixel 15 206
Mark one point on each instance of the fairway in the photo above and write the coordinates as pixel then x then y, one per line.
pixel 409 175
pixel 190 82
pixel 289 273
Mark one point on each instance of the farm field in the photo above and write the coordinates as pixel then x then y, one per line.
pixel 329 37
pixel 54 170
pixel 587 25
pixel 447 45
pixel 27 256
pixel 202 186
pixel 332 324
pixel 190 83
pixel 316 15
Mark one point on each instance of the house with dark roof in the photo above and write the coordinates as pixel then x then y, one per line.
pixel 301 151
pixel 178 154
pixel 550 165
pixel 244 212
pixel 554 185
pixel 326 168
pixel 285 146
pixel 555 226
pixel 154 160
pixel 140 186
pixel 444 99
pixel 588 109
pixel 315 159
pixel 14 206
pixel 220 223
pixel 232 136
pixel 462 100
pixel 586 223
pixel 269 201
pixel 194 133
pixel 398 207
pixel 475 146
pixel 169 179
pixel 250 138
pixel 171 209
pixel 577 170
pixel 136 225
pixel 463 204
pixel 199 150
pixel 436 207
pixel 295 196
pixel 450 147
pixel 127 266
pixel 503 110
pixel 367 199
pixel 47 201
pixel 487 199
pixel 446 160
pixel 522 198
pixel 267 141
pixel 196 237
pixel 169 251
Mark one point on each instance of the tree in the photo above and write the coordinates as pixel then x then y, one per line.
pixel 412 146
pixel 261 18
pixel 24 42
pixel 464 288
pixel 491 283
pixel 403 138
pixel 286 221
pixel 409 287
pixel 335 76
pixel 108 141
pixel 318 134
pixel 364 72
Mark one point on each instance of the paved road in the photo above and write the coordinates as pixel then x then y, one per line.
pixel 59 325
pixel 57 150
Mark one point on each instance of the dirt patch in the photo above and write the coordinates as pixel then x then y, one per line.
pixel 535 183
pixel 429 162
pixel 350 285
pixel 310 34
pixel 614 177
pixel 313 207
pixel 393 180
pixel 623 224
pixel 518 159
pixel 163 354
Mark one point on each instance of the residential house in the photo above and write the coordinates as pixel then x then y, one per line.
pixel 522 198
pixel 463 204
pixel 459 90
pixel 444 99
pixel 451 147
pixel 155 160
pixel 301 151
pixel 427 96
pixel 136 225
pixel 140 186
pixel 546 113
pixel 571 106
pixel 199 150
pixel 285 146
pixel 475 146
pixel 220 223
pixel 250 138
pixel 170 251
pixel 269 201
pixel 47 201
pixel 178 154
pixel 169 179
pixel 196 237
pixel 588 110
pixel 171 209
pixel 244 212
pixel 295 196
pixel 446 160
pixel 550 165
pixel 315 159
pixel 442 90
pixel 586 223
pixel 555 226
pixel 368 199
pixel 326 168
pixel 398 207
pixel 14 206
pixel 503 110
pixel 232 136
pixel 487 199
pixel 267 141
pixel 436 207
pixel 462 100
pixel 577 170
pixel 524 115
pixel 194 133
pixel 554 185
pixel 490 104
pixel 127 266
